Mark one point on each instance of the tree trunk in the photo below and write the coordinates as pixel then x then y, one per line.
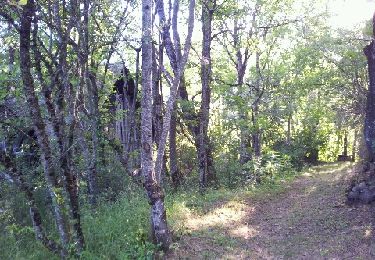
pixel 369 127
pixel 245 142
pixel 206 170
pixel 154 191
pixel 36 116
pixel 256 134
pixel 354 148
pixel 178 66
pixel 158 100
pixel 289 131
pixel 241 65
pixel 338 143
pixel 173 162
pixel 345 153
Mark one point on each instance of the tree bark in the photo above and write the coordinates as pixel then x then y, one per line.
pixel 153 190
pixel 256 135
pixel 289 131
pixel 36 116
pixel 174 171
pixel 241 65
pixel 354 148
pixel 158 99
pixel 180 63
pixel 206 169
pixel 345 153
pixel 369 127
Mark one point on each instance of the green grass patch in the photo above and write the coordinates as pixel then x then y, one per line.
pixel 120 230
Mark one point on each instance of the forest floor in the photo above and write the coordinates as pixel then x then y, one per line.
pixel 306 219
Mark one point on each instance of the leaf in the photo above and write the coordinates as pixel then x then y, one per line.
pixel 22 2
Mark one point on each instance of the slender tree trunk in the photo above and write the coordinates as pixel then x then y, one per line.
pixel 206 170
pixel 369 127
pixel 256 134
pixel 345 153
pixel 95 128
pixel 245 143
pixel 36 116
pixel 71 187
pixel 62 130
pixel 178 65
pixel 241 65
pixel 158 99
pixel 154 191
pixel 354 148
pixel 338 143
pixel 289 131
pixel 92 104
pixel 11 51
pixel 174 171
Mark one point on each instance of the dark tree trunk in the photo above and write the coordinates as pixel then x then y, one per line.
pixel 354 148
pixel 127 127
pixel 206 169
pixel 289 130
pixel 37 119
pixel 190 117
pixel 173 162
pixel 256 134
pixel 369 127
pixel 241 65
pixel 95 125
pixel 345 153
pixel 338 143
pixel 245 141
pixel 62 130
pixel 157 94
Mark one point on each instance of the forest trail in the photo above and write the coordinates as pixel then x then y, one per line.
pixel 308 219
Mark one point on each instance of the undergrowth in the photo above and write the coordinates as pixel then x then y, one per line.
pixel 120 230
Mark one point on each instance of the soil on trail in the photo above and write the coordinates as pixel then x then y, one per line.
pixel 307 220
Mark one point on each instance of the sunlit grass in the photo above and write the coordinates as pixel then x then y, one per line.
pixel 121 229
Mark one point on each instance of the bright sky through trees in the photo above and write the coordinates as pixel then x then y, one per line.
pixel 349 13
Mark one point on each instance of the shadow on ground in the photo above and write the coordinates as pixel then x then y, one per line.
pixel 308 220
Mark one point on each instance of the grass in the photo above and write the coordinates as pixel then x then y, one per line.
pixel 266 220
pixel 289 218
pixel 120 230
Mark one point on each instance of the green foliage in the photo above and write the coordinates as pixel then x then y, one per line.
pixel 18 242
pixel 119 230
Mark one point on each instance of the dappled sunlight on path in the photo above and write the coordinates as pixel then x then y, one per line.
pixel 307 220
pixel 229 213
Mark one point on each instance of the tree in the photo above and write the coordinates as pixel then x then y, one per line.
pixel 369 128
pixel 206 170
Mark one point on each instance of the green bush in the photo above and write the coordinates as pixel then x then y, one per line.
pixel 119 230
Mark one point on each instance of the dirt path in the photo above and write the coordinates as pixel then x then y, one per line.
pixel 309 220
